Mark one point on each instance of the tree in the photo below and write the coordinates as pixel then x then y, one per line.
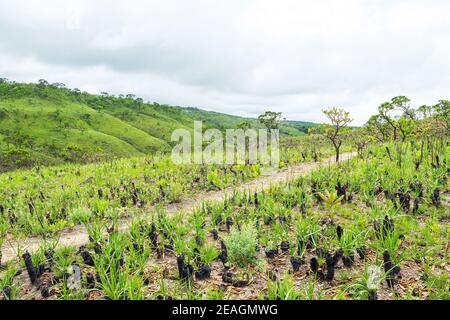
pixel 42 83
pixel 244 125
pixel 339 120
pixel 270 119
pixel 58 85
pixel 312 130
pixel 442 112
pixel 400 103
pixel 139 103
pixel 403 103
pixel 3 113
pixel 384 110
pixel 425 110
pixel 378 128
pixel 86 117
pixel 406 127
pixel 18 138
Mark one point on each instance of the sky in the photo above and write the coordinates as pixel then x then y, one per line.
pixel 241 57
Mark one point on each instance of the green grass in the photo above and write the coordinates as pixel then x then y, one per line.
pixel 133 264
pixel 49 124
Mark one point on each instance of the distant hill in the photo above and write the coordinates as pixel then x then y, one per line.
pixel 46 124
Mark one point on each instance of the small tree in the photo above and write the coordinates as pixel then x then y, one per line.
pixel 42 83
pixel 270 119
pixel 378 128
pixel 442 112
pixel 425 111
pixel 406 127
pixel 244 125
pixel 404 104
pixel 339 120
pixel 384 111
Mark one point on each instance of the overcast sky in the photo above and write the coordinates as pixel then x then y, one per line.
pixel 236 56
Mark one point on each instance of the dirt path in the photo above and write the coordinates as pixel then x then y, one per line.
pixel 78 236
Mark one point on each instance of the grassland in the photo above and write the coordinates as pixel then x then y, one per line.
pixel 45 124
pixel 44 200
pixel 375 227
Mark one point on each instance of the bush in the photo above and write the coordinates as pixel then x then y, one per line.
pixel 3 113
pixel 175 192
pixel 242 245
pixel 79 216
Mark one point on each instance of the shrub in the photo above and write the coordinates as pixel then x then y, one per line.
pixel 242 245
pixel 175 192
pixel 79 215
pixel 3 113
pixel 208 254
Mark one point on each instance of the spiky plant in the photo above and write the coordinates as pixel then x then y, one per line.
pixel 330 199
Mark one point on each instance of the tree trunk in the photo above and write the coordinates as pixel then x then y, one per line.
pixel 337 153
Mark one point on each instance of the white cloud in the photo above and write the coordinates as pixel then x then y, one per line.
pixel 236 56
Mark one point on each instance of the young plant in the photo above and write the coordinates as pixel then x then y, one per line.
pixel 208 253
pixel 307 230
pixel 63 259
pixel 113 279
pixel 282 233
pixel 330 199
pixel 242 245
pixel 8 289
pixel 309 291
pixel 367 285
pixel 217 294
pixel 390 242
pixel 133 287
pixel 282 289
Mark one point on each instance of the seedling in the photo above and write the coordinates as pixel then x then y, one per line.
pixel 8 289
pixel 282 289
pixel 367 285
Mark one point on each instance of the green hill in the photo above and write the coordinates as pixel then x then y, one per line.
pixel 47 124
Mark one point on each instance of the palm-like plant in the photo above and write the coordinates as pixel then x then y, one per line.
pixel 330 199
pixel 367 286
pixel 282 289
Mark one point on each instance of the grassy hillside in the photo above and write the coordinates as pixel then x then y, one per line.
pixel 50 124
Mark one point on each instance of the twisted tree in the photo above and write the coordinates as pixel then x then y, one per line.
pixel 339 120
